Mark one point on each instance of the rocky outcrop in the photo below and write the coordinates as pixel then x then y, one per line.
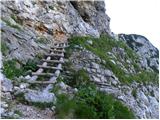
pixel 28 27
pixel 90 11
pixel 141 45
pixel 142 99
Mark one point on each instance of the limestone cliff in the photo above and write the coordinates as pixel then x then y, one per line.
pixel 25 24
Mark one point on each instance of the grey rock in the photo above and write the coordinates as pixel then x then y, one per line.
pixel 96 79
pixel 142 97
pixel 63 85
pixel 141 45
pixel 108 73
pixel 27 77
pixel 4 104
pixel 95 65
pixel 37 96
pixel 24 85
pixel 7 85
pixel 90 42
pixel 2 111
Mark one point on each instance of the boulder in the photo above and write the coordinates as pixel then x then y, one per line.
pixel 7 85
pixel 38 96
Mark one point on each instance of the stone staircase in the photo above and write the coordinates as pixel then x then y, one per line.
pixel 51 66
pixel 47 75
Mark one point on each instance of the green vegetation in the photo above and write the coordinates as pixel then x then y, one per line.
pixel 16 26
pixel 18 112
pixel 42 40
pixel 41 105
pixel 4 48
pixel 78 79
pixel 104 44
pixel 145 76
pixel 16 19
pixel 11 70
pixel 20 98
pixel 134 93
pixel 89 103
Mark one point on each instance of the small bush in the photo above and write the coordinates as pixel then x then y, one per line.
pixel 30 65
pixel 65 107
pixel 80 78
pixel 77 78
pixel 18 112
pixel 89 103
pixel 11 71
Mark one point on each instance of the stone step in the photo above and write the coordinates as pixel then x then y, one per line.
pixel 52 61
pixel 49 67
pixel 52 55
pixel 42 74
pixel 58 47
pixel 42 82
pixel 60 44
pixel 61 51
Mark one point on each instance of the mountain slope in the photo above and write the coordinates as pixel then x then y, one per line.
pixel 108 77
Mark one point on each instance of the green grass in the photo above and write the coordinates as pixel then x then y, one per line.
pixel 11 71
pixel 4 48
pixel 78 79
pixel 145 77
pixel 16 26
pixel 89 103
pixel 105 44
pixel 41 105
pixel 18 112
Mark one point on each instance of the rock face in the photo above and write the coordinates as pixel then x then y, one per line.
pixel 28 25
pixel 141 45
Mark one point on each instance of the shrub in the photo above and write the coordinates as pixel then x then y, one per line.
pixel 90 103
pixel 78 78
pixel 11 71
pixel 30 65
pixel 64 107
